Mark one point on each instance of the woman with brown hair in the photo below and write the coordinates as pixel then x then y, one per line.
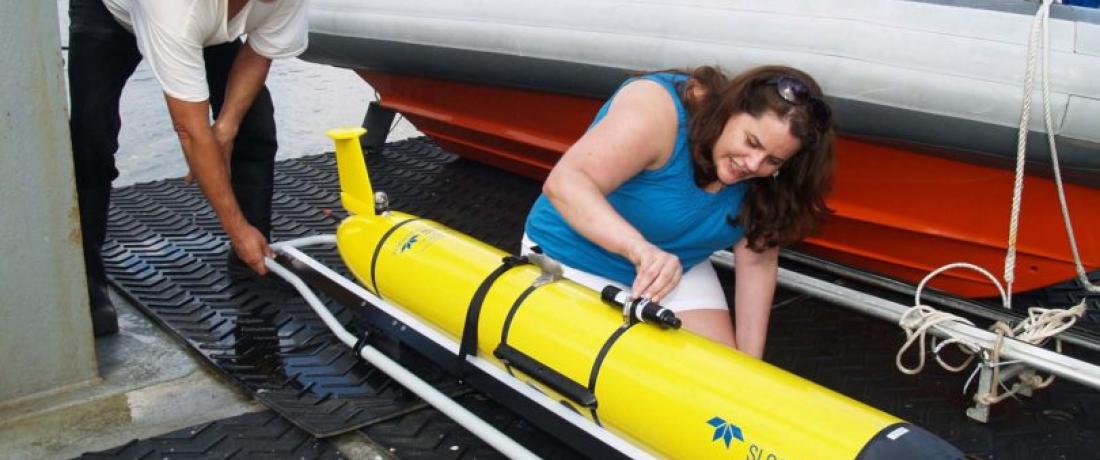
pixel 679 165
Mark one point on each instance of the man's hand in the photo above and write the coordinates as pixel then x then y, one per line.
pixel 245 80
pixel 224 135
pixel 251 247
pixel 200 147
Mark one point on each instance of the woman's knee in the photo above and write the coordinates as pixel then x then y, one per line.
pixel 714 324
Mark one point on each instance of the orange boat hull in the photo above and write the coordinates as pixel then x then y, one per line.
pixel 899 211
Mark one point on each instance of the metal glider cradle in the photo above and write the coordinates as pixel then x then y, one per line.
pixel 612 377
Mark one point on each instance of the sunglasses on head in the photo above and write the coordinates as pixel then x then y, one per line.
pixel 796 92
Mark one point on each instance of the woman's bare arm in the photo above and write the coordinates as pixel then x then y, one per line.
pixel 756 275
pixel 637 133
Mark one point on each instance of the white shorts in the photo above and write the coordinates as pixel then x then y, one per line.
pixel 699 288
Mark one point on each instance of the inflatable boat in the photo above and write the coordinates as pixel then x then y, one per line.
pixel 927 96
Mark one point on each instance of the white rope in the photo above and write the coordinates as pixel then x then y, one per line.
pixel 1005 299
pixel 1082 276
pixel 1021 147
pixel 917 320
pixel 1040 25
pixel 1041 323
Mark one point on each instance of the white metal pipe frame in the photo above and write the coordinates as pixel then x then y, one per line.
pixel 1037 357
pixel 476 425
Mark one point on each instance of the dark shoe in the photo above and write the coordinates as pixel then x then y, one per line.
pixel 235 267
pixel 104 317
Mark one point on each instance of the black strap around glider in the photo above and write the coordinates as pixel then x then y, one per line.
pixel 512 312
pixel 511 315
pixel 468 345
pixel 378 250
pixel 595 374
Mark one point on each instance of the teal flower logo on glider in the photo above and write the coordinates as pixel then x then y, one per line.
pixel 725 431
pixel 409 243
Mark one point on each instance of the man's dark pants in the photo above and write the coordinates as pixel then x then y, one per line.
pixel 102 56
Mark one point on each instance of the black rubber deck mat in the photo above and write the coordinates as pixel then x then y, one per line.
pixel 429 435
pixel 170 256
pixel 256 435
pixel 167 253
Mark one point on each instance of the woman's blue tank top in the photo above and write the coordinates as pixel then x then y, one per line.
pixel 664 205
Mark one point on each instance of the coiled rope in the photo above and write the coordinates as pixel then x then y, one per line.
pixel 1041 323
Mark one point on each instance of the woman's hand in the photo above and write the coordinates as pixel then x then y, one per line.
pixel 638 133
pixel 658 272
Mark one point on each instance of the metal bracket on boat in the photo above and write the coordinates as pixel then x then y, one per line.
pixel 984 397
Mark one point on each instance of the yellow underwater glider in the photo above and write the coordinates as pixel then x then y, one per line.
pixel 605 371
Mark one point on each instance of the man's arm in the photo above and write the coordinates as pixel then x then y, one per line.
pixel 190 120
pixel 246 78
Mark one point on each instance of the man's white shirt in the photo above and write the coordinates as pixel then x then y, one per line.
pixel 171 35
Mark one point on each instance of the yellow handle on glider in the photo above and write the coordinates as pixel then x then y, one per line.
pixel 356 194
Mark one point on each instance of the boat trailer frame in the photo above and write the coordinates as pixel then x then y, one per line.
pixel 583 434
pixel 1030 356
